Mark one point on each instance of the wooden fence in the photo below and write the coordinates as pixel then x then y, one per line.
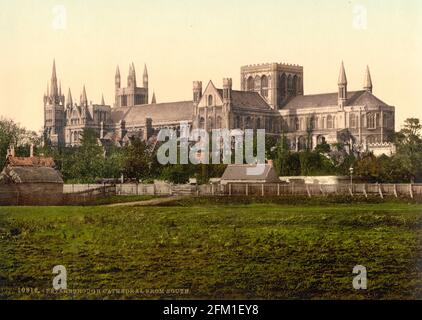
pixel 15 198
pixel 270 189
pixel 310 190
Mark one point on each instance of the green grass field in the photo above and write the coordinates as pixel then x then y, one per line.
pixel 216 251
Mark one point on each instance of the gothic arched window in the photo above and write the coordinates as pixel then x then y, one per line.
pixel 248 123
pixel 290 84
pixel 352 120
pixel 218 123
pixel 294 84
pixel 210 100
pixel 296 124
pixel 237 122
pixel 202 123
pixel 301 143
pixel 371 120
pixel 264 86
pixel 329 122
pixel 250 84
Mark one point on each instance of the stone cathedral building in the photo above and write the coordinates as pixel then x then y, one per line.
pixel 271 98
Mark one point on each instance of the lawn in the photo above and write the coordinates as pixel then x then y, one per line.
pixel 217 251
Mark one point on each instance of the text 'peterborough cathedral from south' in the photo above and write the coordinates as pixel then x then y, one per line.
pixel 271 98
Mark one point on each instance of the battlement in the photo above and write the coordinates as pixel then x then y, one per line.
pixel 272 64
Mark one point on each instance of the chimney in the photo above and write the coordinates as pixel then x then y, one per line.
pixel 31 150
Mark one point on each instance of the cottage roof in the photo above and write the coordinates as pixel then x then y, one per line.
pixel 30 170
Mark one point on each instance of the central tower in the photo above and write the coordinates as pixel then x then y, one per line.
pixel 276 82
pixel 131 95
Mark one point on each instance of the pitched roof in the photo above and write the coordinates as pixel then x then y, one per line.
pixel 354 98
pixel 32 175
pixel 248 172
pixel 30 170
pixel 247 99
pixel 159 112
pixel 30 161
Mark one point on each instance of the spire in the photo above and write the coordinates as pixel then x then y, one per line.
pixel 54 89
pixel 102 100
pixel 367 85
pixel 342 79
pixel 145 77
pixel 69 99
pixel 117 78
pixel 84 100
pixel 154 100
pixel 133 75
pixel 131 78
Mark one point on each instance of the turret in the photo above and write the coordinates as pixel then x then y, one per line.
pixel 84 99
pixel 197 91
pixel 342 87
pixel 154 100
pixel 227 89
pixel 367 85
pixel 69 102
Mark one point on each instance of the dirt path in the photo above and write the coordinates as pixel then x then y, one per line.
pixel 152 202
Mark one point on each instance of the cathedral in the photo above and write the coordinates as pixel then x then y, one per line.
pixel 271 98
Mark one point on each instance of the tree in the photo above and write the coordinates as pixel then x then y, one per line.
pixel 409 148
pixel 137 160
pixel 84 163
pixel 13 134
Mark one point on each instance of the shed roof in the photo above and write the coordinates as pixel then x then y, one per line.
pixel 250 172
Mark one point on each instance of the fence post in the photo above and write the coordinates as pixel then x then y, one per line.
pixel 321 189
pixel 247 189
pixel 364 190
pixel 380 191
pixel 395 190
pixel 411 191
pixel 230 189
pixel 262 189
pixel 212 189
pixel 278 189
pixel 307 190
pixel 351 191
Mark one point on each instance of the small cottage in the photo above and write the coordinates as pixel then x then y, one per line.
pixel 250 173
pixel 30 181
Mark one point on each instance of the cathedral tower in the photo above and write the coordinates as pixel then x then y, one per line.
pixel 54 115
